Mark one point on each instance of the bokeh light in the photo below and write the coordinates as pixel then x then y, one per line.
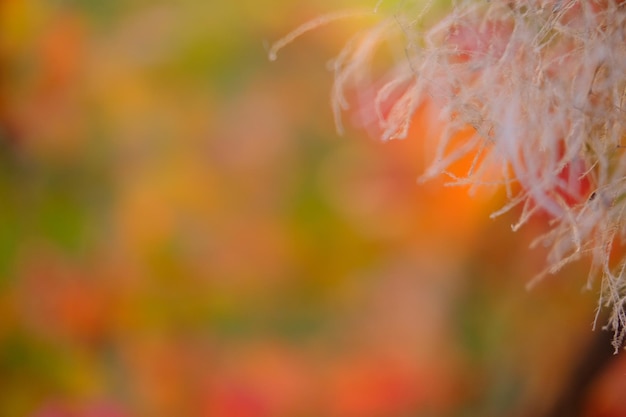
pixel 184 233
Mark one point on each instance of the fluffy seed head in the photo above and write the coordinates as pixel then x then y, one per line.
pixel 542 83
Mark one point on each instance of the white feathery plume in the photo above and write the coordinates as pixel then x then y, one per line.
pixel 543 85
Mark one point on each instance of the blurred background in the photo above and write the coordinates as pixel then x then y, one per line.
pixel 184 233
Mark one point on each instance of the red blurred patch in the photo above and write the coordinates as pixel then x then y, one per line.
pixel 373 388
pixel 62 51
pixel 576 184
pixel 261 380
pixel 573 186
pixel 238 399
pixel 608 396
pixel 59 299
pixel 478 41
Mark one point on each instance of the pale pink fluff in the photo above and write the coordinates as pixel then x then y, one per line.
pixel 543 83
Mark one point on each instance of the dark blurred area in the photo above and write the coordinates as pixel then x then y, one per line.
pixel 183 233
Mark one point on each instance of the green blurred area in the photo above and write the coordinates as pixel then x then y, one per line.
pixel 183 233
